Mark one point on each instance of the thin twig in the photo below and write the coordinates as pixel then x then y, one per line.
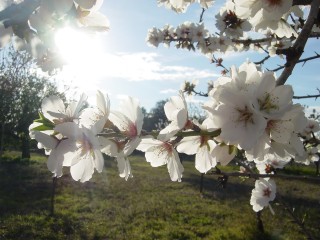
pixel 201 94
pixel 307 96
pixel 304 60
pixel 294 217
pixel 53 193
pixel 259 222
pixel 219 63
pixel 201 15
pixel 263 60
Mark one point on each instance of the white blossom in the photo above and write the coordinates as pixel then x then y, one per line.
pixel 176 111
pixel 262 194
pixel 159 153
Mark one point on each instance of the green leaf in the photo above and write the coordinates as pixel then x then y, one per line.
pixel 45 121
pixel 42 128
pixel 233 149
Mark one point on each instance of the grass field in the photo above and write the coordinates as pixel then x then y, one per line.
pixel 148 206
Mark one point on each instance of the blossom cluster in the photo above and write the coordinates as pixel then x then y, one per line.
pixel 190 36
pixel 246 112
pixel 182 5
pixel 237 22
pixel 32 25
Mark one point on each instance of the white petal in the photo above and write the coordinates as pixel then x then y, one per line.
pixel 74 108
pixel 95 21
pixel 281 131
pixel 204 160
pixel 46 140
pixel 83 170
pixel 222 154
pixel 147 143
pixel 131 146
pixel 120 120
pixel 157 156
pixel 70 130
pixel 189 145
pixel 175 167
pixel 98 160
pixel 168 132
pixel 103 103
pixel 108 147
pixel 52 104
pixel 124 167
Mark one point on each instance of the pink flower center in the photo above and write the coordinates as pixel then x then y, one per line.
pixel 274 2
pixel 204 141
pixel 132 131
pixel 86 145
pixel 232 21
pixel 245 115
pixel 120 145
pixel 166 147
pixel 267 192
pixel 268 168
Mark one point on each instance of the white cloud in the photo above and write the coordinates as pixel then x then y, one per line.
pixel 144 66
pixel 194 100
pixel 168 91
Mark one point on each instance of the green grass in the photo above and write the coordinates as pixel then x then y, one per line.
pixel 148 206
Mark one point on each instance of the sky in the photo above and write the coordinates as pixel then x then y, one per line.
pixel 126 65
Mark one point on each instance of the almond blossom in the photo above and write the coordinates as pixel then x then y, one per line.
pixel 271 163
pixel 240 123
pixel 159 153
pixel 252 7
pixel 312 127
pixel 54 109
pixel 87 155
pixel 229 23
pixel 262 194
pixel 271 100
pixel 176 112
pixel 129 120
pixel 59 151
pixel 115 149
pixel 202 146
pixel 181 6
pixel 102 110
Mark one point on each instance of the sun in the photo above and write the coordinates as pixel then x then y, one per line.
pixel 76 46
pixel 83 54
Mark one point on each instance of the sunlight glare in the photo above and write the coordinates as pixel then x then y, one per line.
pixel 84 55
pixel 76 46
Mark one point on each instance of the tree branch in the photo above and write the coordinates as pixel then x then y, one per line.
pixel 257 175
pixel 301 2
pixel 249 41
pixel 298 47
pixel 307 96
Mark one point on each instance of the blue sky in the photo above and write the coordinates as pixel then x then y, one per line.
pixel 130 67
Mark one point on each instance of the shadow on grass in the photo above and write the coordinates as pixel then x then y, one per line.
pixel 24 187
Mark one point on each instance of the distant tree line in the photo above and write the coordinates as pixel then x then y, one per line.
pixel 22 88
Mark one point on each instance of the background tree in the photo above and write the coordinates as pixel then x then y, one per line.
pixel 156 118
pixel 22 87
